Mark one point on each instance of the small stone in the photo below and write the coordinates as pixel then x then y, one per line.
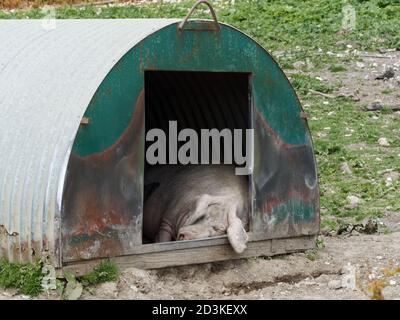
pixel 133 288
pixel 376 105
pixel 349 281
pixel 392 282
pixel 392 176
pixel 383 142
pixel 360 65
pixel 345 168
pixel 353 202
pixel 371 276
pixel 334 284
pixel 379 257
pixel 396 114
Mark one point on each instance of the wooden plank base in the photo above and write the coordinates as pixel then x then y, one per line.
pixel 179 257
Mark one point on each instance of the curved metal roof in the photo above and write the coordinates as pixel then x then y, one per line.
pixel 47 79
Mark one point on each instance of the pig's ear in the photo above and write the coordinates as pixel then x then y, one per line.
pixel 237 236
pixel 199 209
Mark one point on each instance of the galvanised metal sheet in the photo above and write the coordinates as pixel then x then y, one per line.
pixel 47 79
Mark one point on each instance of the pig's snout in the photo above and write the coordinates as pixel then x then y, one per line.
pixel 186 236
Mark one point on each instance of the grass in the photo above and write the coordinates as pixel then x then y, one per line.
pixel 106 271
pixel 338 126
pixel 299 29
pixel 337 68
pixel 311 31
pixel 303 83
pixel 28 278
pixel 12 4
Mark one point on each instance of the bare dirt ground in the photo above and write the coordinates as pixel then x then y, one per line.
pixel 359 82
pixel 296 276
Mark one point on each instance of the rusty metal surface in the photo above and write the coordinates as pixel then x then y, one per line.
pixel 47 79
pixel 102 201
pixel 285 185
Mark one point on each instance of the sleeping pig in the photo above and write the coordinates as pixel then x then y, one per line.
pixel 196 201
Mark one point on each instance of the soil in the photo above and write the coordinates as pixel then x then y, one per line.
pixel 311 275
pixel 358 80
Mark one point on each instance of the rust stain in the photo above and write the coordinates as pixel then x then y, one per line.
pixel 273 202
pixel 104 190
pixel 4 231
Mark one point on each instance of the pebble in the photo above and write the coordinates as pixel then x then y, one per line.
pixel 353 202
pixel 334 284
pixel 345 168
pixel 376 105
pixel 391 177
pixel 383 142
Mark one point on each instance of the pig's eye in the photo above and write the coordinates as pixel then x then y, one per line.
pixel 200 219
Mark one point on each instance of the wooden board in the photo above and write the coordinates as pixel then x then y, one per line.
pixel 196 255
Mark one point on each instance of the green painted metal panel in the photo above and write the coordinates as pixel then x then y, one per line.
pixel 226 51
pixel 104 187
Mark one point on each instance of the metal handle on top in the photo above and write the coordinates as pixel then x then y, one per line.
pixel 214 16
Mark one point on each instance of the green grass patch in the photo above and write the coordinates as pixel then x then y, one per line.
pixel 387 91
pixel 27 278
pixel 342 133
pixel 337 68
pixel 106 271
pixel 304 83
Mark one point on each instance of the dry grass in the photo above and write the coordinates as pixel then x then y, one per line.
pixel 20 4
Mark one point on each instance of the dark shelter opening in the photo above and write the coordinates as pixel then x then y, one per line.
pixel 197 100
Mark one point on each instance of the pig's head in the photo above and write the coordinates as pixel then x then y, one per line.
pixel 214 216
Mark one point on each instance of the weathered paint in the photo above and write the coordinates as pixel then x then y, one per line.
pixel 226 51
pixel 285 185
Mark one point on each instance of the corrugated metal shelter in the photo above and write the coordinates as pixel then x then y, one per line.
pixel 72 117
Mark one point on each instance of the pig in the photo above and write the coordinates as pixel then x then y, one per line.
pixel 196 201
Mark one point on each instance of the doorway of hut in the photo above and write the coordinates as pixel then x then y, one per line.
pixel 215 102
